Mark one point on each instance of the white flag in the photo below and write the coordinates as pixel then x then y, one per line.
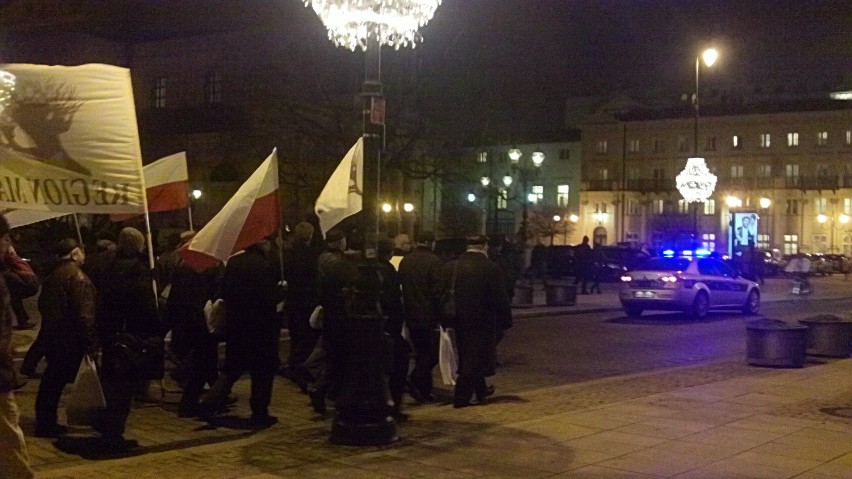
pixel 69 142
pixel 343 194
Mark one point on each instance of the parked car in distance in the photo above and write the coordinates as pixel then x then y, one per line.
pixel 692 285
pixel 609 262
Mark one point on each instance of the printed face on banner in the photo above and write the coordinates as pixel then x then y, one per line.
pixel 69 141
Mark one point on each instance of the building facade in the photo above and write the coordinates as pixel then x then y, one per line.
pixel 790 165
pixel 516 196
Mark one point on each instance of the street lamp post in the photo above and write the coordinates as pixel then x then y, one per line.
pixel 709 56
pixel 525 173
pixel 362 414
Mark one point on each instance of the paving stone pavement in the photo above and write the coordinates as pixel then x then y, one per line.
pixel 724 420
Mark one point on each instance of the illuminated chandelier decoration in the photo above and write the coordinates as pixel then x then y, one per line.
pixel 696 183
pixel 7 86
pixel 391 22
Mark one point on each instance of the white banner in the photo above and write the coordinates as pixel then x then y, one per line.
pixel 69 141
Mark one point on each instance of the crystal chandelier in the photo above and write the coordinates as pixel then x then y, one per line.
pixel 7 86
pixel 696 183
pixel 391 22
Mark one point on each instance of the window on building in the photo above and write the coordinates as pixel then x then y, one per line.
pixel 822 138
pixel 537 194
pixel 633 207
pixel 213 88
pixel 658 145
pixel 820 243
pixel 848 137
pixel 564 153
pixel 791 244
pixel 710 144
pixel 765 140
pixel 682 206
pixel 791 171
pixel 632 237
pixel 601 147
pixel 633 172
pixel 658 207
pixel 763 241
pixel 600 207
pixel 502 200
pixel 482 157
pixel 708 241
pixel 633 146
pixel 737 142
pixel 659 173
pixel 710 207
pixel 603 174
pixel 820 205
pixel 793 207
pixel 562 195
pixel 847 206
pixel 823 170
pixel 682 144
pixel 847 244
pixel 160 92
pixel 792 139
pixel 764 171
pixel 736 171
pixel 657 240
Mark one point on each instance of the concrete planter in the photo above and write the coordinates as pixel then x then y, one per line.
pixel 774 343
pixel 829 335
pixel 560 293
pixel 523 294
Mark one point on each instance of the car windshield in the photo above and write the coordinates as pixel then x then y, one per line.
pixel 663 264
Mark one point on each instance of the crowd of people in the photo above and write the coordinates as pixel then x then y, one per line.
pixel 106 304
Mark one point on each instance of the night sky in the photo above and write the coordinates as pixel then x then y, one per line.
pixel 507 66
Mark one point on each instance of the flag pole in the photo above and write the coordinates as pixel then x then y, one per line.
pixel 189 210
pixel 77 227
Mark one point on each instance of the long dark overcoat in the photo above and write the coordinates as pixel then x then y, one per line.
pixel 482 305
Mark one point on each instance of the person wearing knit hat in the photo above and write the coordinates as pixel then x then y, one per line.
pixel 13 453
pixel 67 307
pixel 127 306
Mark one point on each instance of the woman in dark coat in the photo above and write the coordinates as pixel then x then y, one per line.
pixel 126 303
pixel 482 309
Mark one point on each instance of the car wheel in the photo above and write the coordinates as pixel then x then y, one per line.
pixel 752 304
pixel 700 305
pixel 633 312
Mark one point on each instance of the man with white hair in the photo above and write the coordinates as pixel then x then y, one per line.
pixel 67 307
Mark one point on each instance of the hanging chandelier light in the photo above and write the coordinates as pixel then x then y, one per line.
pixel 392 22
pixel 696 183
pixel 7 87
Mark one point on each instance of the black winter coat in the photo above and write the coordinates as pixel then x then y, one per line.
pixel 420 274
pixel 482 306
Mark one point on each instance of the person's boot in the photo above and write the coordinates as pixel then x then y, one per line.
pixel 317 396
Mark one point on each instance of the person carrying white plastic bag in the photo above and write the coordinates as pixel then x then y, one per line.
pixel 87 396
pixel 447 358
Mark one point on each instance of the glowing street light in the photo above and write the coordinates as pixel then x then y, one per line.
pixel 573 218
pixel 843 218
pixel 471 197
pixel 557 218
pixel 408 207
pixel 733 202
pixel 822 219
pixel 387 208
pixel 765 203
pixel 196 194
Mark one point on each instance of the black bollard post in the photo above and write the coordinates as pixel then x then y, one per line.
pixel 364 404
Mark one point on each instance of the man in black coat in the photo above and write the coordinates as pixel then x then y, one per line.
pixel 67 307
pixel 250 291
pixel 300 272
pixel 482 309
pixel 390 300
pixel 419 273
pixel 583 263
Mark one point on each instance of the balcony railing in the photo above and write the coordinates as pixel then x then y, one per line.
pixel 748 183
pixel 812 182
pixel 600 185
pixel 650 185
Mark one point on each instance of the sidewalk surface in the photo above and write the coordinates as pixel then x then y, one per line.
pixel 725 420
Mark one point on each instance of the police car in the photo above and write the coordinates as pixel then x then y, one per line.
pixel 690 282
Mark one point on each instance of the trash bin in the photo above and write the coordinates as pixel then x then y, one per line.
pixel 523 294
pixel 775 343
pixel 828 335
pixel 560 293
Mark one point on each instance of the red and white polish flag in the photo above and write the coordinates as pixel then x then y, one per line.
pixel 253 213
pixel 167 183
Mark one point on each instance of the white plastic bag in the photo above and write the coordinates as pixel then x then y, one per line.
pixel 316 318
pixel 87 396
pixel 447 359
pixel 215 314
